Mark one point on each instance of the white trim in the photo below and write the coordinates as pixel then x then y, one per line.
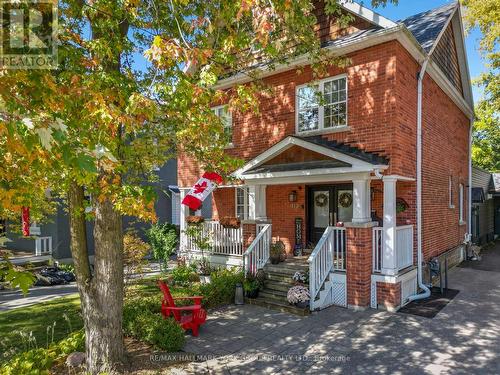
pixel 321 107
pixel 357 164
pixel 461 203
pixel 394 279
pixel 366 14
pixel 307 178
pixel 246 204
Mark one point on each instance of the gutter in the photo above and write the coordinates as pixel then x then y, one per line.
pixel 421 285
pixel 468 236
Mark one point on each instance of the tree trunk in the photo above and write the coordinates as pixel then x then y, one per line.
pixel 101 294
pixel 103 315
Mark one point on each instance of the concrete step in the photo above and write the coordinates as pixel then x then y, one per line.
pixel 285 269
pixel 278 285
pixel 273 295
pixel 279 306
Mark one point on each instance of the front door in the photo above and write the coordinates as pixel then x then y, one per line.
pixel 327 205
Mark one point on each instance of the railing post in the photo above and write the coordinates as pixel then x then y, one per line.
pixel 389 261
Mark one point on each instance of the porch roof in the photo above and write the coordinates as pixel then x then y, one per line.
pixel 300 157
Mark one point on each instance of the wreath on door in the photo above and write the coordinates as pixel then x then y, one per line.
pixel 345 199
pixel 321 200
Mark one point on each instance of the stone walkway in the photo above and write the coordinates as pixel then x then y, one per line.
pixel 464 338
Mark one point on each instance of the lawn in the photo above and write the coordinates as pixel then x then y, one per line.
pixel 63 314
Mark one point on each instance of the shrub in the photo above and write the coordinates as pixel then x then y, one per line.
pixel 182 274
pixel 142 320
pixel 40 360
pixel 163 239
pixel 134 251
pixel 220 290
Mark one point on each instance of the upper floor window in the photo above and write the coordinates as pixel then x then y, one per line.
pixel 242 203
pixel 224 114
pixel 322 106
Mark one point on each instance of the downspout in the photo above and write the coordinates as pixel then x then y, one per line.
pixel 469 208
pixel 421 284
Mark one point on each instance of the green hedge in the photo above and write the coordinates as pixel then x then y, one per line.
pixel 142 320
pixel 220 290
pixel 39 361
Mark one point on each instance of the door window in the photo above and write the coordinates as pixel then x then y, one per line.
pixel 321 208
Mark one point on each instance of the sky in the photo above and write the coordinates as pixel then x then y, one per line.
pixel 406 8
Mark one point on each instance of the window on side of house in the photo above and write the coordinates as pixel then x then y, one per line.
pixel 242 203
pixel 226 117
pixel 176 208
pixel 461 202
pixel 330 113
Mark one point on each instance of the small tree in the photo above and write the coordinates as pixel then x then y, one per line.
pixel 163 239
pixel 203 242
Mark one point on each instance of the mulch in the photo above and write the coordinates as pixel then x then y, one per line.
pixel 430 307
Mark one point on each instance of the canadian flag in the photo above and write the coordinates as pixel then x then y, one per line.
pixel 200 191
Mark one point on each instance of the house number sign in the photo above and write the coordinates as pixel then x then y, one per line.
pixel 298 236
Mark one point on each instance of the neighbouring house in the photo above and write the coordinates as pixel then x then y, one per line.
pixel 342 179
pixel 495 193
pixel 483 206
pixel 52 237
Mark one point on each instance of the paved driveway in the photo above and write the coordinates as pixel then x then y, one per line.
pixel 464 338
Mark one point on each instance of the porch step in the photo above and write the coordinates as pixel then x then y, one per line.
pixel 274 295
pixel 286 268
pixel 278 285
pixel 284 307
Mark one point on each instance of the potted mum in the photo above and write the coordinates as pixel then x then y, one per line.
pixel 277 252
pixel 299 296
pixel 300 278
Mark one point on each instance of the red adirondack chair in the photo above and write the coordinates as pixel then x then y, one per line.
pixel 189 317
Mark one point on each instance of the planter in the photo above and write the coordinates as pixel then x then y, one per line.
pixel 302 305
pixel 252 293
pixel 195 219
pixel 274 260
pixel 230 222
pixel 205 279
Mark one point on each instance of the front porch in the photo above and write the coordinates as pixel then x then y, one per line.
pixel 339 210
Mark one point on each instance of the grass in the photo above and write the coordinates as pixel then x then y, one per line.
pixel 37 320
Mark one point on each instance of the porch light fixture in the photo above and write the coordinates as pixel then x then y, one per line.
pixel 292 197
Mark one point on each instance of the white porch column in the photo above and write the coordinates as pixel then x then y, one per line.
pixel 184 212
pixel 257 202
pixel 361 202
pixel 389 265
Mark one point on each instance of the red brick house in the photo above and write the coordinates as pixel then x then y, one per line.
pixel 374 180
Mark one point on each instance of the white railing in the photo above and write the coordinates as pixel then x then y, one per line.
pixel 258 252
pixel 43 245
pixel 378 243
pixel 328 255
pixel 404 247
pixel 224 241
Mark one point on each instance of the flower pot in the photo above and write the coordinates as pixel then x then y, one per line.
pixel 195 219
pixel 230 222
pixel 302 305
pixel 274 260
pixel 252 293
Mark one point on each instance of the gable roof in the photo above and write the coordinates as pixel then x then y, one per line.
pixel 428 26
pixel 495 183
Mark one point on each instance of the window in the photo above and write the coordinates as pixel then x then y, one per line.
pixel 330 113
pixel 176 208
pixel 450 192
pixel 461 202
pixel 242 203
pixel 227 121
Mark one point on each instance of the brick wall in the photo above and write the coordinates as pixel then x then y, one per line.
pixel 359 266
pixel 389 295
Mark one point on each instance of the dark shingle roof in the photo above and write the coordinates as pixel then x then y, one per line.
pixel 427 26
pixel 343 148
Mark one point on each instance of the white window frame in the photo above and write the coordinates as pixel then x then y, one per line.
pixel 176 208
pixel 215 110
pixel 246 202
pixel 461 203
pixel 450 192
pixel 321 108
